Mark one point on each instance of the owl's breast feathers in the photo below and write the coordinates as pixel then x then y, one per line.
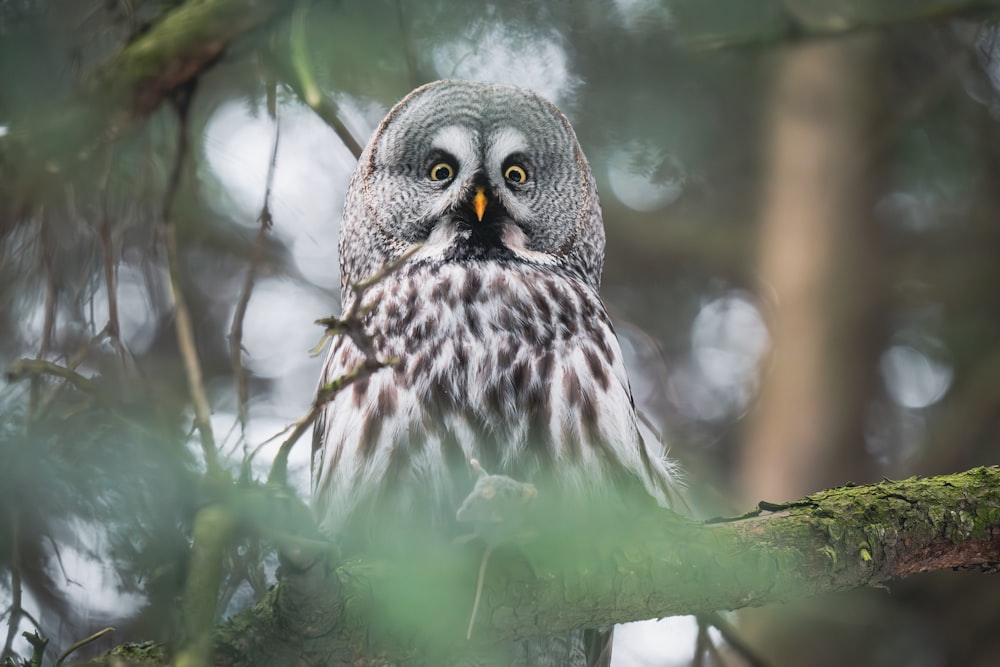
pixel 518 369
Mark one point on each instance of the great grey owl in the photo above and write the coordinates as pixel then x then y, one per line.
pixel 506 353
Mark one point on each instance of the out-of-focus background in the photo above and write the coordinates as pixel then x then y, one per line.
pixel 802 202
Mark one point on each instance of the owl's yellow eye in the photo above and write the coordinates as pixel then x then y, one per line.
pixel 515 174
pixel 441 171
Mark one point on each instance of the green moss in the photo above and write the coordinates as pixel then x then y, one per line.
pixel 150 652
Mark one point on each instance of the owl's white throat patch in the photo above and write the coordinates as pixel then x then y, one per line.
pixel 449 234
pixel 441 238
pixel 514 238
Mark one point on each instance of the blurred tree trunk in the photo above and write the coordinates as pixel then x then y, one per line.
pixel 820 277
pixel 819 270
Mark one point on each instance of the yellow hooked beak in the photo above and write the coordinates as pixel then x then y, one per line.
pixel 479 202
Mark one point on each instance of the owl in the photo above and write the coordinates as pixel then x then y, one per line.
pixel 503 349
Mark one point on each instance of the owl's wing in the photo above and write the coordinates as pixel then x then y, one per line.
pixel 671 480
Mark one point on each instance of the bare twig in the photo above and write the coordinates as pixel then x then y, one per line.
pixel 34 368
pixel 71 365
pixel 59 560
pixel 239 314
pixel 49 323
pixel 351 325
pixel 80 644
pixel 15 585
pixel 325 394
pixel 113 327
pixel 236 573
pixel 107 249
pixel 302 82
pixel 182 317
pixel 483 564
pixel 328 112
pixel 25 614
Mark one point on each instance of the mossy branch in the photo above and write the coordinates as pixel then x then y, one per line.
pixel 181 45
pixel 658 565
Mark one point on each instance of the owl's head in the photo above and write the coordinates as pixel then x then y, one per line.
pixel 474 172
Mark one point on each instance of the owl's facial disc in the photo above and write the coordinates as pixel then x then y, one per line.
pixel 489 192
pixel 416 184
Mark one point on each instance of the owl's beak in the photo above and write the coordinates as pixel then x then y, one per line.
pixel 479 202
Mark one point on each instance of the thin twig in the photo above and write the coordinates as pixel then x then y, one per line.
pixel 71 365
pixel 59 561
pixel 182 317
pixel 113 327
pixel 49 322
pixel 265 222
pixel 234 576
pixel 483 564
pixel 303 83
pixel 14 622
pixel 34 368
pixel 25 614
pixel 271 439
pixel 107 249
pixel 80 644
pixel 351 325
pixel 325 394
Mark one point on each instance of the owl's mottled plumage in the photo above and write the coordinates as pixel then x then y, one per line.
pixel 506 352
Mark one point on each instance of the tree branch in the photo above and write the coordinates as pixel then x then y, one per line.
pixel 296 73
pixel 724 23
pixel 658 565
pixel 173 52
